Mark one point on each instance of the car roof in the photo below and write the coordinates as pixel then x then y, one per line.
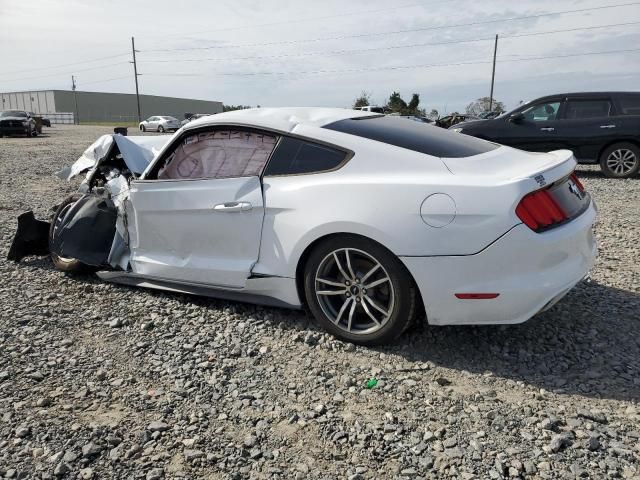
pixel 283 119
pixel 586 94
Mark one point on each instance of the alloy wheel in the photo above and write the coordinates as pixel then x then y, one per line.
pixel 621 161
pixel 354 291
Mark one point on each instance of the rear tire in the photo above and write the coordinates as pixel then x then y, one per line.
pixel 620 160
pixel 70 265
pixel 359 291
pixel 160 129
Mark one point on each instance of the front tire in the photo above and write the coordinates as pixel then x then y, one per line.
pixel 359 291
pixel 142 128
pixel 620 160
pixel 70 265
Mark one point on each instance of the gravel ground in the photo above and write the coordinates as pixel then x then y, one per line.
pixel 105 381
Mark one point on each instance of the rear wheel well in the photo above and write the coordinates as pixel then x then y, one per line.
pixel 302 263
pixel 613 142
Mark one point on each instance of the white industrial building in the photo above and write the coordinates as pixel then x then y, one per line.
pixel 66 106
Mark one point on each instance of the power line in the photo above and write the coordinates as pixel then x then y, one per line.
pixel 373 34
pixel 391 47
pixel 106 80
pixel 64 87
pixel 67 64
pixel 399 7
pixel 308 19
pixel 174 74
pixel 335 52
pixel 595 27
pixel 61 74
pixel 402 67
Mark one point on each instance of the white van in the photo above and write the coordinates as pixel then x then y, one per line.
pixel 371 108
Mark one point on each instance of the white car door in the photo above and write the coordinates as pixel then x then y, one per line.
pixel 153 123
pixel 196 216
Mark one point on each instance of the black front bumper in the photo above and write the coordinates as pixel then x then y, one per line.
pixel 14 130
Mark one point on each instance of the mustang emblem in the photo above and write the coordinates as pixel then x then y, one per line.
pixel 575 190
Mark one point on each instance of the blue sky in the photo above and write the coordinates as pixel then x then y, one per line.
pixel 304 53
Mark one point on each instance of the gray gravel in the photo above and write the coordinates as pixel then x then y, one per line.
pixel 105 381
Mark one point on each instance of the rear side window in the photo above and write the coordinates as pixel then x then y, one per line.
pixel 579 109
pixel 629 104
pixel 294 157
pixel 415 136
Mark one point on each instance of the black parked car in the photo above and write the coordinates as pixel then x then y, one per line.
pixel 600 128
pixel 43 120
pixel 454 119
pixel 17 122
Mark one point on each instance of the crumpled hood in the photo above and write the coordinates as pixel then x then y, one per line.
pixel 137 153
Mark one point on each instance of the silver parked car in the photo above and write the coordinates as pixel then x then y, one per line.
pixel 160 123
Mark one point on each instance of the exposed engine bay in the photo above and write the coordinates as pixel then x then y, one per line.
pixel 89 228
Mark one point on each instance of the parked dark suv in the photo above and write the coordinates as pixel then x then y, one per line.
pixel 600 128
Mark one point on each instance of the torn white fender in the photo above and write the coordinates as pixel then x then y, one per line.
pixel 137 153
pixel 118 188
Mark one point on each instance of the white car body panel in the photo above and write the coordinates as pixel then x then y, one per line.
pixel 451 221
pixel 177 233
pixel 529 270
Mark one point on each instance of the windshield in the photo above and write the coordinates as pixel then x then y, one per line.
pixel 517 109
pixel 13 113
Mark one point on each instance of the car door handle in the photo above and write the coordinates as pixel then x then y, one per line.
pixel 608 126
pixel 547 129
pixel 231 207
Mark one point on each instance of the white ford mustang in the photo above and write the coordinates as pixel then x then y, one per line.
pixel 365 219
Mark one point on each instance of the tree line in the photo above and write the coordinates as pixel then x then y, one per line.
pixel 397 105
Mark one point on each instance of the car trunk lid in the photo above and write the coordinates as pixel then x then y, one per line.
pixel 506 164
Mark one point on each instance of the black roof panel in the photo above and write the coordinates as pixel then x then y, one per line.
pixel 416 136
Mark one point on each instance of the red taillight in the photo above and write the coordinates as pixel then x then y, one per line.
pixel 476 296
pixel 539 210
pixel 577 181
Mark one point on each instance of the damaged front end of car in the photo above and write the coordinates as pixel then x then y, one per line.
pixel 89 228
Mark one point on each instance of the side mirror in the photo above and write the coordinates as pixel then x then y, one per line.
pixel 516 117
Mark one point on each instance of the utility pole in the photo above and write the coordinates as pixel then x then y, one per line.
pixel 493 74
pixel 135 73
pixel 75 98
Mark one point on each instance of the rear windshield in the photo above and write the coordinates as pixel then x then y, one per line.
pixel 419 137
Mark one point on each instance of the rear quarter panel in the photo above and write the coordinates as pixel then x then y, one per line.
pixel 378 194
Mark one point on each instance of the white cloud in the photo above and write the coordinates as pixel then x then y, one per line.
pixel 47 34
